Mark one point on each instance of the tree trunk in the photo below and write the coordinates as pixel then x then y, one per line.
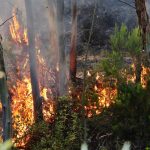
pixel 138 68
pixel 57 42
pixel 53 30
pixel 37 100
pixel 61 46
pixel 143 19
pixel 5 99
pixel 73 57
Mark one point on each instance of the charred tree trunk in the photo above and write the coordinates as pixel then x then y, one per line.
pixel 37 100
pixel 73 57
pixel 61 46
pixel 5 99
pixel 143 19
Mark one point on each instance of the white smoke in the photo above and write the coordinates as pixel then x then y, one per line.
pixel 84 146
pixel 126 146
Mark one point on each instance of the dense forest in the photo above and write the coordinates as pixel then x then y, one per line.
pixel 74 75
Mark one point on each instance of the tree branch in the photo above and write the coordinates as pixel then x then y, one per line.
pixel 127 4
pixel 6 21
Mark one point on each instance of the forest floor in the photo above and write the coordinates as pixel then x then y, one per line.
pixel 91 62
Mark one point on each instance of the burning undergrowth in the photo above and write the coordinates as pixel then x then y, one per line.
pixel 19 82
pixel 100 92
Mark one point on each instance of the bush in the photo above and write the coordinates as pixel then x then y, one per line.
pixel 124 40
pixel 127 119
pixel 113 64
pixel 118 39
pixel 134 42
pixel 63 134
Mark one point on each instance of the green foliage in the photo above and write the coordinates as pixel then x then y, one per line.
pixel 67 131
pixel 134 42
pixel 131 112
pixel 123 40
pixel 127 119
pixel 113 64
pixel 119 38
pixel 40 134
pixel 6 145
pixel 126 49
pixel 63 134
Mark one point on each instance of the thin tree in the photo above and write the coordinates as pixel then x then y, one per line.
pixel 143 19
pixel 5 99
pixel 37 100
pixel 73 57
pixel 143 22
pixel 61 47
pixel 57 42
pixel 52 10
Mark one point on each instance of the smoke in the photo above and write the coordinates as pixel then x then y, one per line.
pixel 126 146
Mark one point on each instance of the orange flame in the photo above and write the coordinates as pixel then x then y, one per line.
pixel 22 108
pixel 18 34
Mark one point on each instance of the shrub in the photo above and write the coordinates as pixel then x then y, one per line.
pixel 123 40
pixel 134 42
pixel 63 134
pixel 118 39
pixel 127 119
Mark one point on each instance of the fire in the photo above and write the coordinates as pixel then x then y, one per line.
pixel 22 102
pixel 21 90
pixel 22 107
pixel 145 76
pixel 18 34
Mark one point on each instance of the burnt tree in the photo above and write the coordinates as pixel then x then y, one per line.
pixel 37 100
pixel 73 57
pixel 5 99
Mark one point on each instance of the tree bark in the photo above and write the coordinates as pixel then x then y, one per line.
pixel 5 99
pixel 138 68
pixel 143 20
pixel 73 57
pixel 53 30
pixel 61 46
pixel 37 100
pixel 57 42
